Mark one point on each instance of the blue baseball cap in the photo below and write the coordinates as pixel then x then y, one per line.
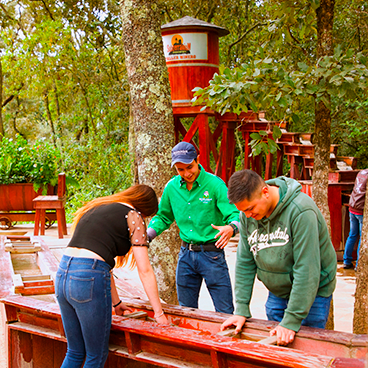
pixel 183 152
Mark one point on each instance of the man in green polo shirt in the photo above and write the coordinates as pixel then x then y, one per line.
pixel 197 201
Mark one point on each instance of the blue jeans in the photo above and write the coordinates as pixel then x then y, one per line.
pixel 192 268
pixel 317 317
pixel 83 291
pixel 356 224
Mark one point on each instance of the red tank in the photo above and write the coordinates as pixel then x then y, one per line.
pixel 191 48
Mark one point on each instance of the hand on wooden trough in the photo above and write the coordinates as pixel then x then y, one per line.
pixel 284 335
pixel 237 321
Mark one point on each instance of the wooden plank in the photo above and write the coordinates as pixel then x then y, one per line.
pixel 18 282
pixel 6 271
pixel 270 340
pixel 137 315
pixel 43 357
pixel 36 278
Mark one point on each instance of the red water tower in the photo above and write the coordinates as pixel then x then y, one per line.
pixel 191 48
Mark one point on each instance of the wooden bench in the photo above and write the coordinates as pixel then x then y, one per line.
pixel 51 202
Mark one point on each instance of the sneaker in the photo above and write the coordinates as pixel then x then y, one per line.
pixel 348 266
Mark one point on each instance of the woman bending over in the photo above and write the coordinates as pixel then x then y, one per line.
pixel 106 231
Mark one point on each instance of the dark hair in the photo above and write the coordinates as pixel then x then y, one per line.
pixel 243 185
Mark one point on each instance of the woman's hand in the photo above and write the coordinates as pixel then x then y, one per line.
pixel 162 320
pixel 119 309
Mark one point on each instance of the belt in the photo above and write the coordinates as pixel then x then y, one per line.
pixel 208 247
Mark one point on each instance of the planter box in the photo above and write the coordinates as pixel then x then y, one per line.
pixel 18 197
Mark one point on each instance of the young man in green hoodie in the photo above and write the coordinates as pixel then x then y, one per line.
pixel 284 240
pixel 197 201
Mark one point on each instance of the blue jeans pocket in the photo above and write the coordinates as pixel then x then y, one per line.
pixel 57 284
pixel 214 256
pixel 81 289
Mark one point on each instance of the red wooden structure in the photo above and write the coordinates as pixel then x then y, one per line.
pixel 36 338
pixel 16 204
pixel 51 202
pixel 191 49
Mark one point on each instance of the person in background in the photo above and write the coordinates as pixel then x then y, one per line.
pixel 107 231
pixel 356 208
pixel 284 240
pixel 197 201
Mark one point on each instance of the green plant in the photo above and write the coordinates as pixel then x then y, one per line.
pixel 21 162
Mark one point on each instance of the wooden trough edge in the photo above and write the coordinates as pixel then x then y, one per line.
pixel 143 340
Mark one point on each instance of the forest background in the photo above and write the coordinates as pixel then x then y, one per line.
pixel 63 77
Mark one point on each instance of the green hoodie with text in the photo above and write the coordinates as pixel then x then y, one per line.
pixel 290 252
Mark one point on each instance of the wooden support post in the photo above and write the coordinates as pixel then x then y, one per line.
pixel 247 150
pixel 133 342
pixel 280 161
pixel 268 170
pixel 227 150
pixel 204 138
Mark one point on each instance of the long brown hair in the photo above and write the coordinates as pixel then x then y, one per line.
pixel 142 197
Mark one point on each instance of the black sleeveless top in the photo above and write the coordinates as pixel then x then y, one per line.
pixel 104 230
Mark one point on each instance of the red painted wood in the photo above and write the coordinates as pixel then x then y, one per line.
pixel 6 269
pixel 247 150
pixel 42 358
pixel 343 176
pixel 335 204
pixel 145 341
pixel 186 74
pixel 192 130
pixel 204 141
pixel 268 170
pixel 191 111
pixel 227 150
pixel 280 161
pixel 18 197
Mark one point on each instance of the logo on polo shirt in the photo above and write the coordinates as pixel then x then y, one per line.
pixel 206 197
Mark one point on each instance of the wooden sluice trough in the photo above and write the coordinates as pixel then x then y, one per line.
pixel 36 338
pixel 35 335
pixel 25 266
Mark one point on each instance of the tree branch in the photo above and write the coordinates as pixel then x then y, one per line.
pixel 244 35
pixel 298 43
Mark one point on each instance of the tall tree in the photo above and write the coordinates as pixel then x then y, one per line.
pixel 360 322
pixel 322 127
pixel 152 121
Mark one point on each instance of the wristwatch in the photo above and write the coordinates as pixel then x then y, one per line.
pixel 235 228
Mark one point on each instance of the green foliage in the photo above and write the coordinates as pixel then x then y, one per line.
pixel 262 142
pixel 21 162
pixel 266 85
pixel 102 166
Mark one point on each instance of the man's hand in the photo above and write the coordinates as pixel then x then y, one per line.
pixel 284 335
pixel 225 233
pixel 237 321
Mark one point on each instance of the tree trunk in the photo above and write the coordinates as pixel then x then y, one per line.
pixel 153 123
pixel 2 132
pixel 49 117
pixel 322 128
pixel 360 322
